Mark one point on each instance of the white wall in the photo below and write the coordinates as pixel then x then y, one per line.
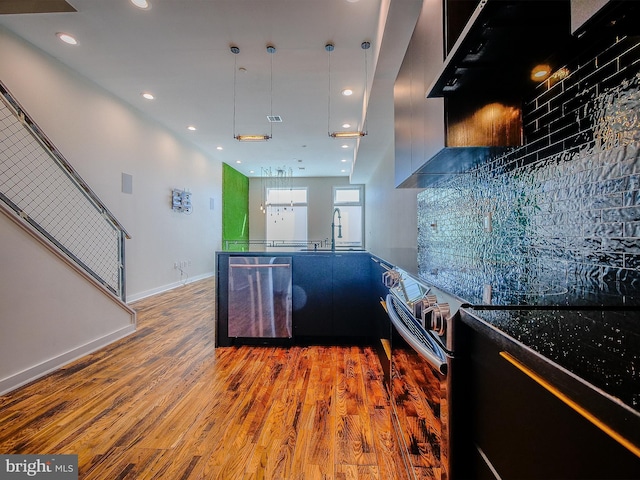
pixel 391 230
pixel 391 225
pixel 50 313
pixel 102 138
pixel 320 205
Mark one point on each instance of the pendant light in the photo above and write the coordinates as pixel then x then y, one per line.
pixel 271 118
pixel 329 47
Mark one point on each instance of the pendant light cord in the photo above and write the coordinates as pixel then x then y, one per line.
pixel 365 46
pixel 235 72
pixel 235 50
pixel 271 50
pixel 329 48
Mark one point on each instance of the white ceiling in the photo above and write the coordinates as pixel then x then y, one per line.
pixel 179 50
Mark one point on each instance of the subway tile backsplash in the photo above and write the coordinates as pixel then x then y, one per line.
pixel 560 214
pixel 555 222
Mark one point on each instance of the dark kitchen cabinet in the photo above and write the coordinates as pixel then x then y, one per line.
pixel 520 429
pixel 335 296
pixel 353 298
pixel 312 297
pixel 439 137
pixel 332 295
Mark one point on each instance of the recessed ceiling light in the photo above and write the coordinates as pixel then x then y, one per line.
pixel 345 146
pixel 343 171
pixel 192 128
pixel 143 4
pixel 346 125
pixel 218 148
pixel 347 91
pixel 238 161
pixel 540 72
pixel 344 160
pixel 66 38
pixel 147 95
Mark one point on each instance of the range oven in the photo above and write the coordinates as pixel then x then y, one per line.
pixel 422 370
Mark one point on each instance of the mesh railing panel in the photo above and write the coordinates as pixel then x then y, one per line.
pixel 46 194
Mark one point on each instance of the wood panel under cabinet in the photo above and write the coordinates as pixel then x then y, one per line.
pixel 471 122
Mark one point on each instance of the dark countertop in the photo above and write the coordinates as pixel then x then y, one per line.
pixel 561 349
pixel 581 336
pixel 591 331
pixel 601 347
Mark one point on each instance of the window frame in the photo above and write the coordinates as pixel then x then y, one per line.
pixel 359 203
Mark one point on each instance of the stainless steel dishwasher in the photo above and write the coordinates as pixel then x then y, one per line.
pixel 422 369
pixel 259 297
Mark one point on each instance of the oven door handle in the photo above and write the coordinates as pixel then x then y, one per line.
pixel 432 353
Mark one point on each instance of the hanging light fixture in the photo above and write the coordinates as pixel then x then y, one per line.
pixel 274 182
pixel 272 118
pixel 329 47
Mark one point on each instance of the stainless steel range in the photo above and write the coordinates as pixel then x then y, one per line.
pixel 422 368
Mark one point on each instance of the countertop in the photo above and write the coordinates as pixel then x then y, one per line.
pixel 279 252
pixel 561 349
pixel 591 331
pixel 601 347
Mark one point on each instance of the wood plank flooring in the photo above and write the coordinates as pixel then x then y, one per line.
pixel 164 403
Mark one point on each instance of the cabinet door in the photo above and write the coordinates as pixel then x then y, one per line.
pixel 352 296
pixel 525 432
pixel 311 296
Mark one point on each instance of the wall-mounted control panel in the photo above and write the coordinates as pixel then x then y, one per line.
pixel 181 201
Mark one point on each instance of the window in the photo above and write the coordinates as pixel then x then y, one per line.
pixel 349 203
pixel 286 213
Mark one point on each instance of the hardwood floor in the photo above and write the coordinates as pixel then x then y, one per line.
pixel 164 403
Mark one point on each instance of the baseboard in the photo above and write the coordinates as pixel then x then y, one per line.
pixel 165 288
pixel 37 371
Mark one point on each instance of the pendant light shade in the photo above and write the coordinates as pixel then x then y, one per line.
pixel 347 134
pixel 252 137
pixel 329 47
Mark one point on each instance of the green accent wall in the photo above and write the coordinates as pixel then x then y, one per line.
pixel 235 208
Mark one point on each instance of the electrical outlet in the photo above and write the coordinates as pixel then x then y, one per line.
pixel 487 222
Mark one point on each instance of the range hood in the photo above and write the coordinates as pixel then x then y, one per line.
pixel 501 43
pixel 441 124
pixel 436 138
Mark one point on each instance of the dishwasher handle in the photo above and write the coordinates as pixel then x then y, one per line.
pixel 429 350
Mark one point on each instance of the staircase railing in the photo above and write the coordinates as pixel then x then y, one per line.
pixel 43 189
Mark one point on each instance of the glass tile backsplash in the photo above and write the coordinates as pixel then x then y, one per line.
pixel 555 222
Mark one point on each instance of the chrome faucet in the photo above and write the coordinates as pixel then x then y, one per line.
pixel 333 228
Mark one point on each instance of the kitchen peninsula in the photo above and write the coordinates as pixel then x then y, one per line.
pixel 314 295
